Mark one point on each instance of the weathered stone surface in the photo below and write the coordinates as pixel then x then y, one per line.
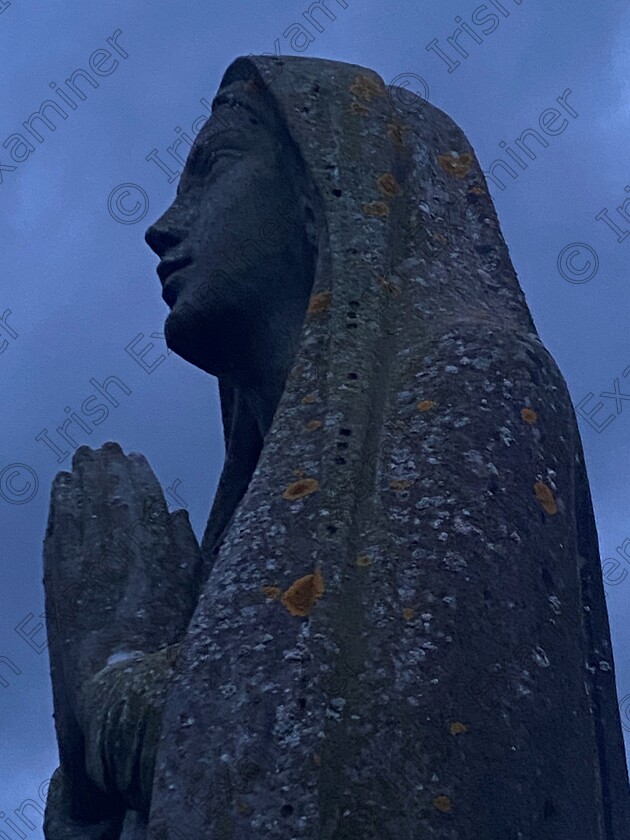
pixel 122 578
pixel 402 630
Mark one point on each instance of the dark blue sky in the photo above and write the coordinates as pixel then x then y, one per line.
pixel 81 286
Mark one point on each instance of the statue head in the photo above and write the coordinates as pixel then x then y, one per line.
pixel 237 245
pixel 318 216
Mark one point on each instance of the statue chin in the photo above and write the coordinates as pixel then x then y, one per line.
pixel 208 344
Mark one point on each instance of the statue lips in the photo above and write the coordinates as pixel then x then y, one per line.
pixel 165 270
pixel 169 295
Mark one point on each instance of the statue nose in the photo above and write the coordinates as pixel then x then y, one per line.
pixel 162 239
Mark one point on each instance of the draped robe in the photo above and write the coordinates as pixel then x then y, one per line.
pixel 402 631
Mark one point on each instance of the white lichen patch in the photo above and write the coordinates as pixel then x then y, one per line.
pixel 473 457
pixel 454 562
pixel 406 397
pixel 506 436
pixel 540 657
pixel 551 474
pixel 124 656
pixel 555 603
pixel 429 501
pixel 466 528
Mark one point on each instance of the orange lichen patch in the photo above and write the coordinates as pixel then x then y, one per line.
pixel 408 613
pixel 312 425
pixel 477 190
pixel 399 483
pixel 309 398
pixel 375 208
pixel 302 595
pixel 443 803
pixel 244 808
pixel 529 415
pixel 272 591
pixel 458 728
pixel 317 759
pixel 299 473
pixel 456 165
pixel 545 497
pixel 395 132
pixel 388 185
pixel 363 560
pixel 319 302
pixel 425 405
pixel 300 488
pixel 365 88
pixel 359 110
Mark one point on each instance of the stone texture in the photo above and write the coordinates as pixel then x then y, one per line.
pixel 122 578
pixel 402 630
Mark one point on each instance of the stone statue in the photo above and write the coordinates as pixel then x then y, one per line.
pixel 395 626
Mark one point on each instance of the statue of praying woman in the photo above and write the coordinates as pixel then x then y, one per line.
pixel 395 625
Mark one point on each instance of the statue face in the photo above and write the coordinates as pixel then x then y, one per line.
pixel 236 262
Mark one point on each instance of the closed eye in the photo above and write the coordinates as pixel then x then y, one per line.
pixel 206 158
pixel 203 161
pixel 214 156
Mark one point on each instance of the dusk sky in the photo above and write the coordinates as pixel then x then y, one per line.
pixel 80 300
